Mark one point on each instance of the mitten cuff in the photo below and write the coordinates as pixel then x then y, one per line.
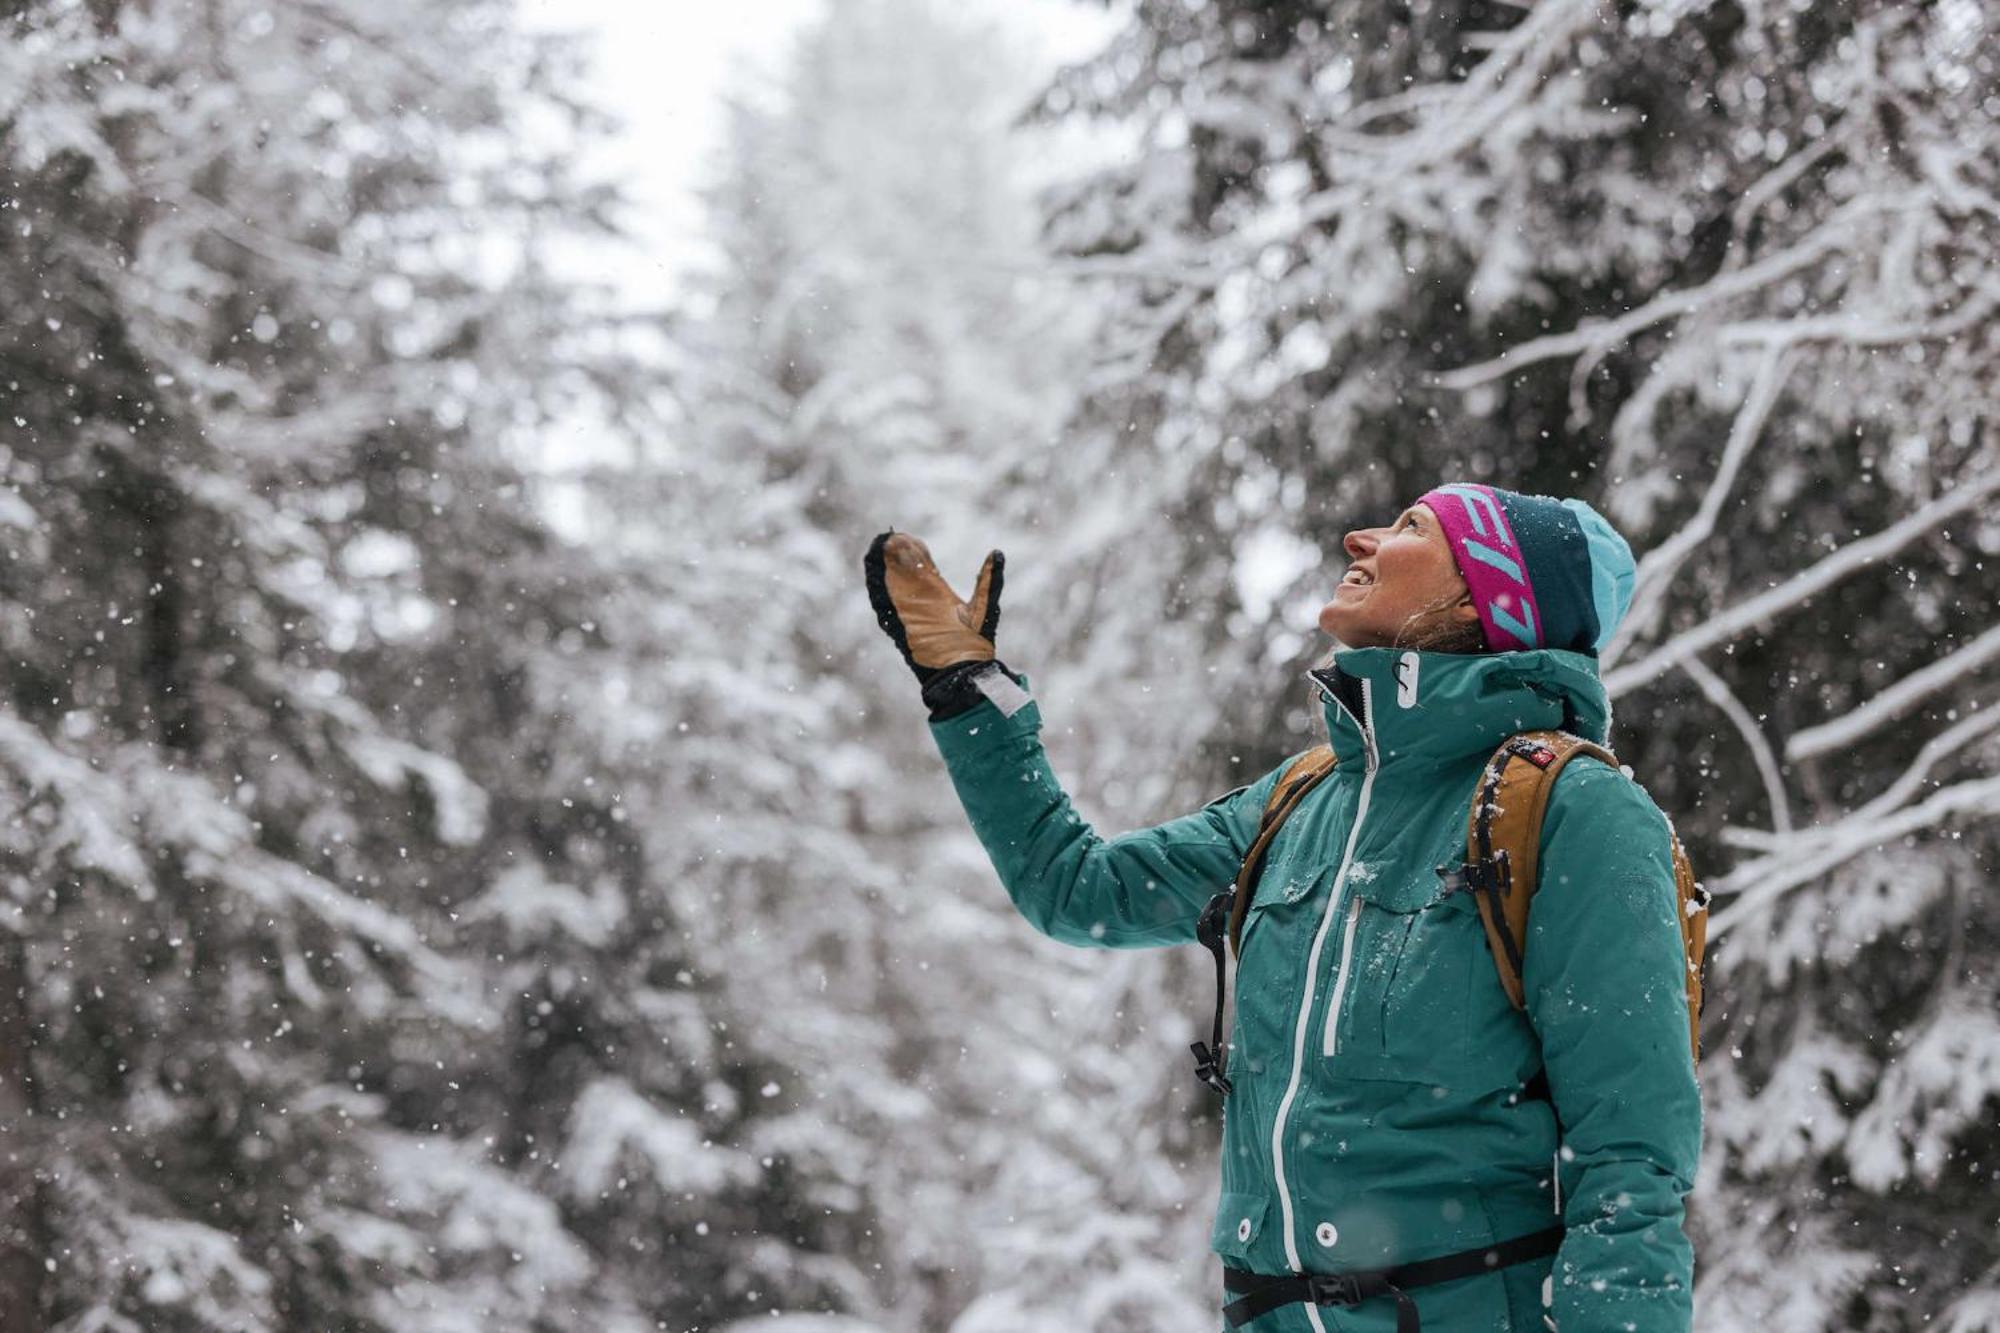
pixel 961 687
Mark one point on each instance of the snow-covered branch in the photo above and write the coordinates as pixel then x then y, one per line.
pixel 1514 70
pixel 1942 746
pixel 1863 329
pixel 1656 571
pixel 1448 121
pixel 1602 333
pixel 310 263
pixel 1183 268
pixel 1774 183
pixel 1756 886
pixel 1895 701
pixel 1818 578
pixel 1718 693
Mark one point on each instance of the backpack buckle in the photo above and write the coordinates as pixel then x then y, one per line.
pixel 1334 1288
pixel 1487 874
pixel 1477 876
pixel 1205 1062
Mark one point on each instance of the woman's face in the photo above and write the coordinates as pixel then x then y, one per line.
pixel 1398 573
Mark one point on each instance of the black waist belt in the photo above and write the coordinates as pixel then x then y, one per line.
pixel 1261 1295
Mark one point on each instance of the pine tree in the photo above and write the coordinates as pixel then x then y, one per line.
pixel 876 346
pixel 352 1000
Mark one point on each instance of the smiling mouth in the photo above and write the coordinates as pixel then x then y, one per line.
pixel 1357 577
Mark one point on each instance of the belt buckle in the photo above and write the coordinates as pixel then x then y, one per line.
pixel 1334 1289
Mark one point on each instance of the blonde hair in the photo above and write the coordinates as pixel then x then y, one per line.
pixel 1436 630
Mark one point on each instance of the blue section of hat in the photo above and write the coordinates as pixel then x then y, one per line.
pixel 1612 569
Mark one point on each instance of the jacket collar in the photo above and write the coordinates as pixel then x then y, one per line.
pixel 1428 709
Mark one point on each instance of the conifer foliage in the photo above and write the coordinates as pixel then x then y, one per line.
pixel 875 345
pixel 336 989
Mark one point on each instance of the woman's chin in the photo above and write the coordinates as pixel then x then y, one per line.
pixel 1347 627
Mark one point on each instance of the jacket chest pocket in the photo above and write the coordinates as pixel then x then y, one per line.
pixel 1271 961
pixel 1293 877
pixel 1421 996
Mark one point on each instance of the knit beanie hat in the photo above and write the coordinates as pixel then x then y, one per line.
pixel 1544 573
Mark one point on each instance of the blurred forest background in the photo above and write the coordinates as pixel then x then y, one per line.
pixel 454 885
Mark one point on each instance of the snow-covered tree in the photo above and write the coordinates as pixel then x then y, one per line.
pixel 335 986
pixel 876 345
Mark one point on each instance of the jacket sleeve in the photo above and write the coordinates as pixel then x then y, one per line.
pixel 1606 992
pixel 1138 889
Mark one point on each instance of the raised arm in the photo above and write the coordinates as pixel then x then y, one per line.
pixel 1606 992
pixel 1142 888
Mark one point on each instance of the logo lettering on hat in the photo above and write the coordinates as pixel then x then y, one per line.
pixel 1491 560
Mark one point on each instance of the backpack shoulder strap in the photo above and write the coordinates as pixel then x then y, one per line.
pixel 1503 838
pixel 1300 776
pixel 1503 844
pixel 1691 900
pixel 1211 1058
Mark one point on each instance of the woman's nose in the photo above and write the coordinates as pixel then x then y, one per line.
pixel 1359 542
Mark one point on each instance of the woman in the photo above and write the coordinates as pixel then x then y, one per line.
pixel 1389 1104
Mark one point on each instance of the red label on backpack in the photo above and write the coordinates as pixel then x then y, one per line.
pixel 1541 756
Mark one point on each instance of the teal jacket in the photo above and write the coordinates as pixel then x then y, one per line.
pixel 1378 1116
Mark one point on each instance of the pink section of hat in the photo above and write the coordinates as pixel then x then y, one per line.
pixel 1482 542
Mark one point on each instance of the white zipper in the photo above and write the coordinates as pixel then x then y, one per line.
pixel 1306 1000
pixel 1331 1040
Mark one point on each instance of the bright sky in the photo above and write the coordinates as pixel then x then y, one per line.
pixel 662 66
